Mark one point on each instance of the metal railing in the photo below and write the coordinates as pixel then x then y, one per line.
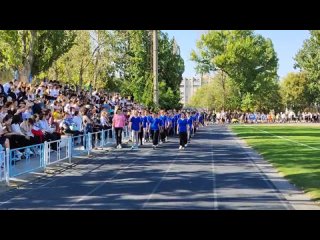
pixel 19 161
pixel 3 166
pixel 25 159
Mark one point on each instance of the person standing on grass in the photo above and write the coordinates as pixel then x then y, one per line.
pixel 135 126
pixel 118 124
pixel 183 128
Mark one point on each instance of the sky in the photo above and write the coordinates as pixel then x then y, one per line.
pixel 286 43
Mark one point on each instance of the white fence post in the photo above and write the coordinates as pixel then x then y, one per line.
pixel 7 166
pixel 89 144
pixel 70 148
pixel 46 151
pixel 103 134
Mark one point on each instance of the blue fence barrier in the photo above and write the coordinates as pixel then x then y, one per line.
pixel 15 162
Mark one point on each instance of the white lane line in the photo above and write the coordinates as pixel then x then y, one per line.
pixel 264 176
pixel 299 143
pixel 100 185
pixel 214 191
pixel 86 196
pixel 52 181
pixel 157 186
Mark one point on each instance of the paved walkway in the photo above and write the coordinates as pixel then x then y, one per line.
pixel 216 171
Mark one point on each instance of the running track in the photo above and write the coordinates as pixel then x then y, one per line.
pixel 213 172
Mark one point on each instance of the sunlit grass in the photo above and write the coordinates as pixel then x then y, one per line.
pixel 293 150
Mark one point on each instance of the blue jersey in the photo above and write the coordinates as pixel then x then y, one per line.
pixel 135 123
pixel 149 119
pixel 190 121
pixel 144 121
pixel 252 116
pixel 163 120
pixel 182 125
pixel 155 122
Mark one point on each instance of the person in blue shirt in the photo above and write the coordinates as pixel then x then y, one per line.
pixel 163 119
pixel 155 125
pixel 190 124
pixel 201 119
pixel 134 126
pixel 183 128
pixel 149 121
pixel 142 127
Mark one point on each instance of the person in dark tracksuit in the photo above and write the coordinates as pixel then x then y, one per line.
pixel 183 128
pixel 155 124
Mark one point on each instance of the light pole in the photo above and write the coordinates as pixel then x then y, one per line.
pixel 155 69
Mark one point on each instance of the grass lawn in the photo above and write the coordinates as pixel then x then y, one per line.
pixel 293 150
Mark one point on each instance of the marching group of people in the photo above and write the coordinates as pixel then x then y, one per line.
pixel 146 126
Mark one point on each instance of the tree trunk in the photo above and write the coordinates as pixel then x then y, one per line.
pixel 25 71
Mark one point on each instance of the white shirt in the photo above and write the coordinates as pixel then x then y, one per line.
pixel 78 121
pixel 67 108
pixel 45 126
pixel 54 93
pixel 16 128
pixel 6 87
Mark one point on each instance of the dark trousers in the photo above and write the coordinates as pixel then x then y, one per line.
pixel 140 135
pixel 108 133
pixel 183 138
pixel 163 134
pixel 118 135
pixel 155 137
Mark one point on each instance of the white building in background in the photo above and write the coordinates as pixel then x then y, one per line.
pixel 188 87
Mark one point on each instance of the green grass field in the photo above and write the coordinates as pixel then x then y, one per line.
pixel 293 150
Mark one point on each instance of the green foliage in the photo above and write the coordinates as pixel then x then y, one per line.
pixel 294 90
pixel 248 103
pixel 249 60
pixel 168 98
pixel 133 58
pixel 118 60
pixel 34 50
pixel 308 60
pixel 50 46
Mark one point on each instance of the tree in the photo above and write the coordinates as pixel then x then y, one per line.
pixel 294 90
pixel 76 64
pixel 33 51
pixel 308 60
pixel 248 59
pixel 219 94
pixel 133 58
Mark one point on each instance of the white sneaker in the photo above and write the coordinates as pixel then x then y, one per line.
pixel 119 146
pixel 180 147
pixel 186 145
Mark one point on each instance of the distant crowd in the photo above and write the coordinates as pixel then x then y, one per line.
pixel 258 117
